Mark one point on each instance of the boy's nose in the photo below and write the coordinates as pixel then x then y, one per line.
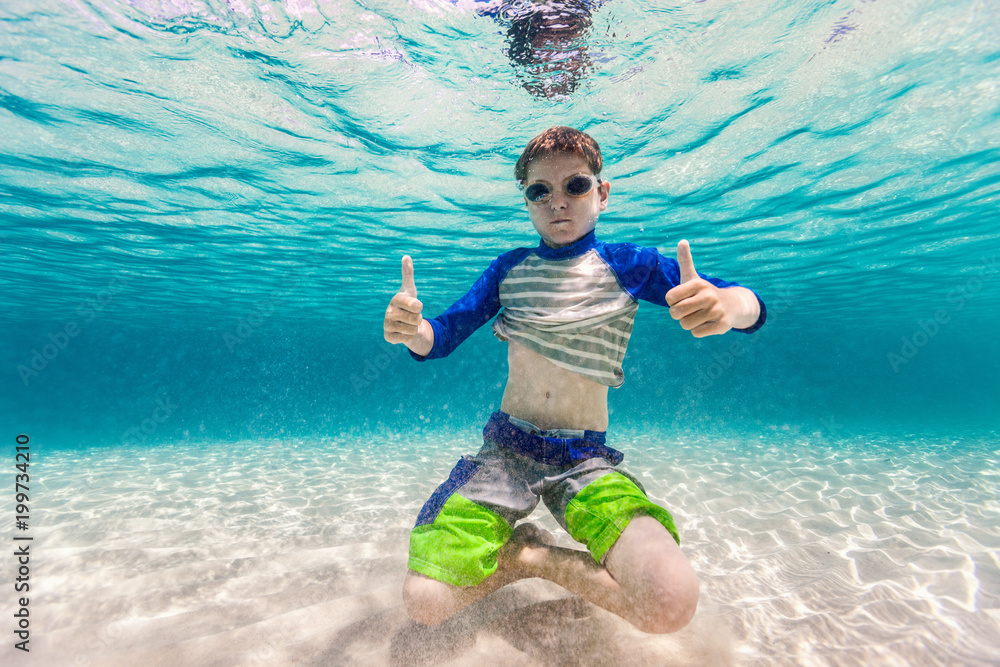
pixel 558 200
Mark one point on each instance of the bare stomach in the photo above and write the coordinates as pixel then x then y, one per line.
pixel 550 397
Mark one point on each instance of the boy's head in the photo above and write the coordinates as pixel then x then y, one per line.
pixel 558 173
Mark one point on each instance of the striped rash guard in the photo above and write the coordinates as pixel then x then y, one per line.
pixel 573 305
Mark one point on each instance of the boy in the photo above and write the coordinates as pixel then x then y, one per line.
pixel 568 311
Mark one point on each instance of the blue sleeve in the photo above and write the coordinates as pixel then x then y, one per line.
pixel 472 311
pixel 648 275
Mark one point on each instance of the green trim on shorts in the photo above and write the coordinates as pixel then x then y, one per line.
pixel 460 546
pixel 599 513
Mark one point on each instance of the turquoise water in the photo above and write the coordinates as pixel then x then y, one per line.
pixel 204 209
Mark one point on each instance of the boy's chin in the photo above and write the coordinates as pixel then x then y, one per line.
pixel 560 240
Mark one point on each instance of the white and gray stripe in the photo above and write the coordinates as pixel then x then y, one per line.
pixel 571 311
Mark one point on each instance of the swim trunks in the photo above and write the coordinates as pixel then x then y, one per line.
pixel 467 520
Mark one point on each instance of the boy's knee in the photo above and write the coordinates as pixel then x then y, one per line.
pixel 672 604
pixel 425 600
pixel 657 577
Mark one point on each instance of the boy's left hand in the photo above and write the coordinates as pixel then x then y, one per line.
pixel 700 307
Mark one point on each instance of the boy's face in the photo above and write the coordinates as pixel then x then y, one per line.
pixel 564 219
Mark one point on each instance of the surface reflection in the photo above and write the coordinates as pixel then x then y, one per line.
pixel 546 41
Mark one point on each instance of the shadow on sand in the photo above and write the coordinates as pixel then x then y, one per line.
pixel 519 626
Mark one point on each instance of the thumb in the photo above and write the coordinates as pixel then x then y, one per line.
pixel 409 287
pixel 685 262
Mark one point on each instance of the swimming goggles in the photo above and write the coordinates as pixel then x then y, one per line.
pixel 577 186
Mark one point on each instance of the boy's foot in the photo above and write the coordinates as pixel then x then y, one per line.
pixel 526 549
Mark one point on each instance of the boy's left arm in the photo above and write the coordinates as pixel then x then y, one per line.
pixel 705 309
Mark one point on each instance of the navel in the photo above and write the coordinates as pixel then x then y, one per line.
pixel 547 394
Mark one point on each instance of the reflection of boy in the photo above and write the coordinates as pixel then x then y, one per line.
pixel 568 307
pixel 544 39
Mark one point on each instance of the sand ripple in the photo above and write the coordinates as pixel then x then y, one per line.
pixel 809 553
pixel 868 552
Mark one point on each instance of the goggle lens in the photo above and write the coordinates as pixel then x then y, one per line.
pixel 577 186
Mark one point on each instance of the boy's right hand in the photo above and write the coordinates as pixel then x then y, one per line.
pixel 402 317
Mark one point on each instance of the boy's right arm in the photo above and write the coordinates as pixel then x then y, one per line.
pixel 438 337
pixel 403 321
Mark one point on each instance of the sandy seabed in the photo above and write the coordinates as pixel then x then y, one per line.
pixel 810 551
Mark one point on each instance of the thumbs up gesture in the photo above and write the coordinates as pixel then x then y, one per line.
pixel 697 304
pixel 402 317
